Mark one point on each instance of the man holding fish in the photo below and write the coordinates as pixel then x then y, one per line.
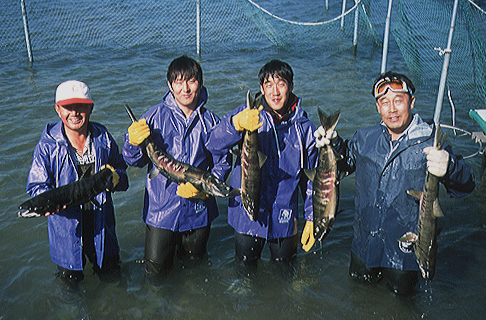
pixel 177 215
pixel 284 148
pixel 75 149
pixel 391 160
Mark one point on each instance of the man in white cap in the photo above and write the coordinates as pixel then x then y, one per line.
pixel 69 150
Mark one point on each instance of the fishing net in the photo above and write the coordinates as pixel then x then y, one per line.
pixel 420 28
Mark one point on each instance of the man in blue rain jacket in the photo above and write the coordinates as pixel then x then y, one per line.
pixel 177 216
pixel 285 136
pixel 65 151
pixel 389 159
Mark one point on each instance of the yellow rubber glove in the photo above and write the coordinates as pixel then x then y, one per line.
pixel 248 119
pixel 114 179
pixel 307 238
pixel 188 190
pixel 138 132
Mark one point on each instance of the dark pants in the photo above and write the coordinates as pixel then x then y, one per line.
pixel 161 244
pixel 399 281
pixel 249 248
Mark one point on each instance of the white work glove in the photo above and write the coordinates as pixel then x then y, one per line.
pixel 324 138
pixel 437 161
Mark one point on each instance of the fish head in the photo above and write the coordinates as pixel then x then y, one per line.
pixel 216 187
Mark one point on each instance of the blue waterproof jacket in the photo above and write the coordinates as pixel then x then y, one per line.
pixel 184 139
pixel 54 165
pixel 290 148
pixel 385 170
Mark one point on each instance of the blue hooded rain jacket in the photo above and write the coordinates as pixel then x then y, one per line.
pixel 385 170
pixel 184 139
pixel 290 148
pixel 54 165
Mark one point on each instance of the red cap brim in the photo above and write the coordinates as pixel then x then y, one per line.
pixel 73 101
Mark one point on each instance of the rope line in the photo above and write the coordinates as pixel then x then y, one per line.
pixel 356 3
pixel 478 7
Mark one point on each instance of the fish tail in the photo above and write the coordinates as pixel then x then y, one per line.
pixel 130 113
pixel 440 137
pixel 328 122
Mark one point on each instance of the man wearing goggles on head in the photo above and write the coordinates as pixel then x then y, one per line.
pixel 390 158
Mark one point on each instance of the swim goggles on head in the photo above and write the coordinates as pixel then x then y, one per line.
pixel 394 84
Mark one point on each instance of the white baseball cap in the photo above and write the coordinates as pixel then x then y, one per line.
pixel 72 91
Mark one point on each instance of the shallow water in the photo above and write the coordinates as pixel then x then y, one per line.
pixel 316 287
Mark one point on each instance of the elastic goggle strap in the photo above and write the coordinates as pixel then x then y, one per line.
pixel 395 85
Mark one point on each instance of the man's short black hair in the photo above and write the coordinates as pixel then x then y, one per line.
pixel 185 66
pixel 275 68
pixel 394 75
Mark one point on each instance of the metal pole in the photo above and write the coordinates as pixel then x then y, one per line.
pixel 356 20
pixel 385 40
pixel 445 67
pixel 198 23
pixel 342 14
pixel 26 30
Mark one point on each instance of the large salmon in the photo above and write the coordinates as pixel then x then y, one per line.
pixel 69 195
pixel 252 161
pixel 425 243
pixel 181 172
pixel 325 194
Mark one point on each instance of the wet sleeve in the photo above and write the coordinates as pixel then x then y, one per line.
pixel 223 137
pixel 40 179
pixel 133 155
pixel 459 180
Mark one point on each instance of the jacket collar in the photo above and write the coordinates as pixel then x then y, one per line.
pixel 170 102
pixel 416 130
pixel 293 113
pixel 56 132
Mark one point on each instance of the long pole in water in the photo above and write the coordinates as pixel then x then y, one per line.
pixel 385 40
pixel 342 14
pixel 26 30
pixel 445 67
pixel 356 20
pixel 198 26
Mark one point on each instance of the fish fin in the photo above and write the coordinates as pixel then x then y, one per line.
pixel 408 237
pixel 328 122
pixel 234 192
pixel 96 203
pixel 86 173
pixel 153 173
pixel 415 193
pixel 261 158
pixel 249 99
pixel 337 155
pixel 258 100
pixel 236 152
pixel 310 173
pixel 439 230
pixel 437 211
